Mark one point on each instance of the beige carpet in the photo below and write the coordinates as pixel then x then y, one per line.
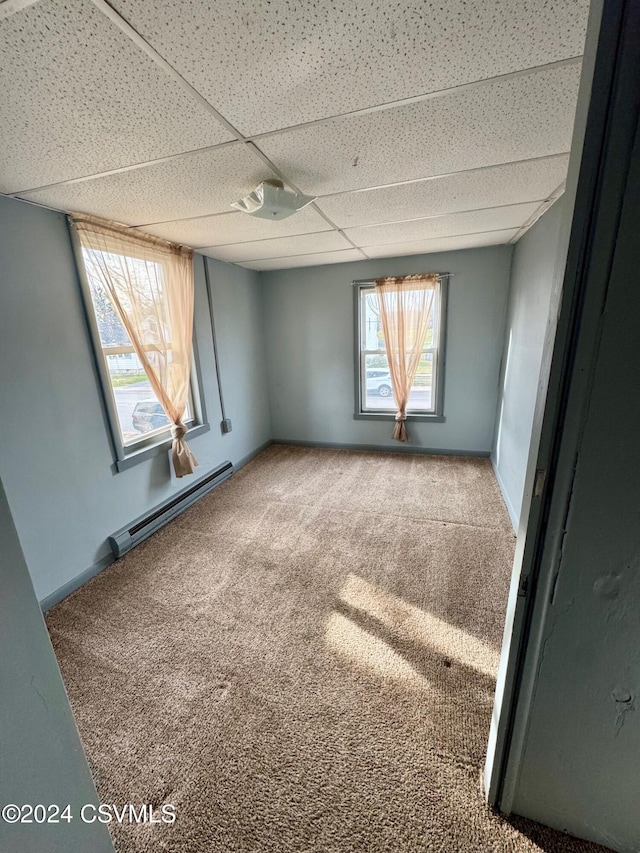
pixel 304 661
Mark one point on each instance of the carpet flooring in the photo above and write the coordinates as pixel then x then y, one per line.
pixel 304 661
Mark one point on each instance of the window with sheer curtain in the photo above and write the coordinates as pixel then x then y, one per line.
pixel 141 298
pixel 421 342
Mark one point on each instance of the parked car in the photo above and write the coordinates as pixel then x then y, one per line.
pixel 148 415
pixel 378 381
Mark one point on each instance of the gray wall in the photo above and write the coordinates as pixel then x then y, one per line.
pixel 532 280
pixel 309 327
pixel 55 456
pixel 41 757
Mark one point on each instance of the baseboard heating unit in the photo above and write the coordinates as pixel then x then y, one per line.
pixel 124 540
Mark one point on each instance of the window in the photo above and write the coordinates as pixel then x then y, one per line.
pixel 374 391
pixel 140 415
pixel 137 418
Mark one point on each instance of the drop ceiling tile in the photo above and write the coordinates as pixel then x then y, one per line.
pixel 10 7
pixel 515 119
pixel 78 97
pixel 442 244
pixel 237 228
pixel 313 260
pixel 193 185
pixel 274 63
pixel 279 247
pixel 494 219
pixel 509 184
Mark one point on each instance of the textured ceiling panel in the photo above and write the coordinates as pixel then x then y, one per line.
pixel 193 185
pixel 279 247
pixel 269 64
pixel 494 219
pixel 515 119
pixel 510 184
pixel 82 95
pixel 442 244
pixel 304 260
pixel 237 228
pixel 78 97
pixel 10 7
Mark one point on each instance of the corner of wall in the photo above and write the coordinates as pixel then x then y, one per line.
pixel 513 515
pixel 501 372
pixel 261 279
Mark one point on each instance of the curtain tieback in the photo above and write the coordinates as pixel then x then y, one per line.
pixel 178 431
pixel 401 416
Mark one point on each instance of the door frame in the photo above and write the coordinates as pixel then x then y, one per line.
pixel 605 126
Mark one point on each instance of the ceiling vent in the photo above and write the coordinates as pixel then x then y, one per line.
pixel 270 200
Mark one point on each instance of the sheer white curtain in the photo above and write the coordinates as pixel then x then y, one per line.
pixel 150 283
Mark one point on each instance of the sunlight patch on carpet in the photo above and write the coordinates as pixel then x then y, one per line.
pixel 418 626
pixel 354 642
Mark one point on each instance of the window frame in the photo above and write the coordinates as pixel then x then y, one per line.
pixel 158 441
pixel 437 416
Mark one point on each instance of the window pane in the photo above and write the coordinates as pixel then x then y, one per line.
pixel 139 411
pixel 429 340
pixel 378 392
pixel 112 332
pixel 421 397
pixel 372 335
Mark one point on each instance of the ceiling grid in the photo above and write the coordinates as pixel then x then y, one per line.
pixel 121 110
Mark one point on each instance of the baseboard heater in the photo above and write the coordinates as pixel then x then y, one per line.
pixel 124 540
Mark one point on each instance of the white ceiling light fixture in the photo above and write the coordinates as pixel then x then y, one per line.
pixel 270 200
